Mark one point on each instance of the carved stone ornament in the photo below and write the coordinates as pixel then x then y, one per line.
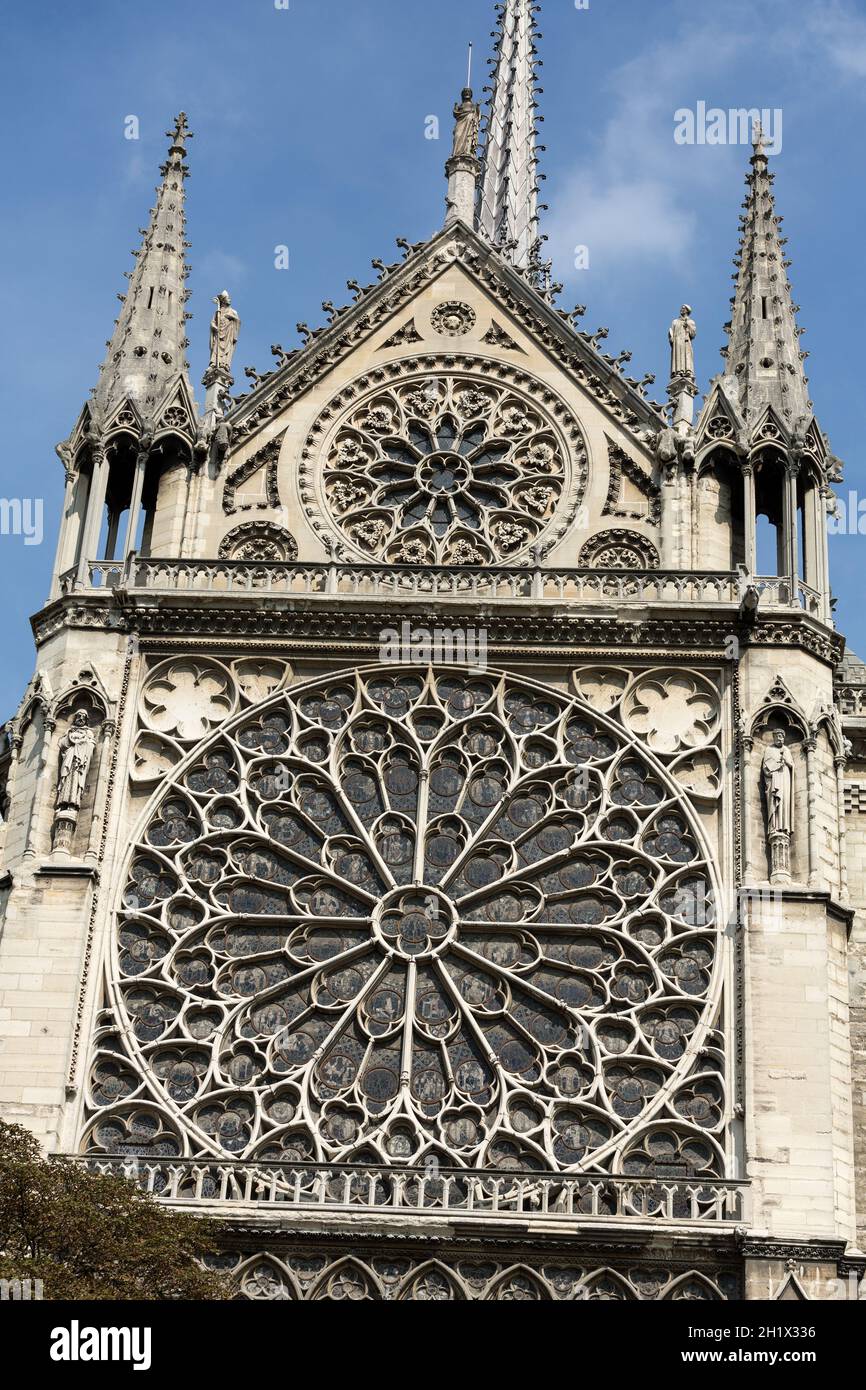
pixel 224 330
pixel 619 550
pixel 185 697
pixel 777 781
pixel 622 467
pixel 269 1276
pixel 386 916
pixel 265 459
pixel 453 318
pixel 76 754
pixel 449 468
pixel 258 540
pixel 681 337
pixel 467 124
pixel 496 336
pixel 404 336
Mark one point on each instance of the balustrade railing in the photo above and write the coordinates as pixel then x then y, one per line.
pixel 430 1189
pixel 298 579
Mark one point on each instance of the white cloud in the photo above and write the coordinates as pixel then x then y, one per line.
pixel 842 33
pixel 221 268
pixel 632 197
pixel 619 221
pixel 633 194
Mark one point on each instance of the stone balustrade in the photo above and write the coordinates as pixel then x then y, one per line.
pixel 299 579
pixel 557 1197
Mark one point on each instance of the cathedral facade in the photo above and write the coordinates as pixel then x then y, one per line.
pixel 432 844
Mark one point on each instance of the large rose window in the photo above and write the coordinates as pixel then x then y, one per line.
pixel 389 916
pixel 447 469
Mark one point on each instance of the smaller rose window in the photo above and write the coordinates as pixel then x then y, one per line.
pixel 445 470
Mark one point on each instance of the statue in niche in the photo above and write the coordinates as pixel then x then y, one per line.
pixel 76 755
pixel 224 330
pixel 467 124
pixel 681 336
pixel 777 779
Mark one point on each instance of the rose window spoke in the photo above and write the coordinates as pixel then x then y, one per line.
pixel 397 944
pixel 465 473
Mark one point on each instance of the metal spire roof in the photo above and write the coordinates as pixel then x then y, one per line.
pixel 508 208
pixel 763 360
pixel 146 352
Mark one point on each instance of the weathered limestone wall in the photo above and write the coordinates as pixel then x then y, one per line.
pixel 47 904
pixel 799 1135
pixel 799 1120
pixel 855 809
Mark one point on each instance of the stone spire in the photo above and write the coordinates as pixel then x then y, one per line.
pixel 146 354
pixel 508 208
pixel 763 361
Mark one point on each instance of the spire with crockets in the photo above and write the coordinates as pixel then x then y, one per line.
pixel 508 207
pixel 146 363
pixel 763 359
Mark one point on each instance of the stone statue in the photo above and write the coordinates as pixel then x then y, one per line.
pixel 76 754
pixel 467 124
pixel 682 333
pixel 224 330
pixel 777 774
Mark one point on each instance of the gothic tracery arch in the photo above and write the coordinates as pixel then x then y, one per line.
pixel 431 918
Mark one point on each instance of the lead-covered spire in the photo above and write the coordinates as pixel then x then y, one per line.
pixel 763 360
pixel 146 361
pixel 508 207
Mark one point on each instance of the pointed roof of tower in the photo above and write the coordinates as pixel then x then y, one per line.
pixel 146 363
pixel 508 208
pixel 763 361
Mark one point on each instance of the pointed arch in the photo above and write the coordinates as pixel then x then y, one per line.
pixel 777 705
pixel 721 508
pixel 519 1284
pixel 693 1287
pixel 349 1280
pixel 265 1279
pixel 432 1282
pixel 720 425
pixel 176 415
pixel 605 1285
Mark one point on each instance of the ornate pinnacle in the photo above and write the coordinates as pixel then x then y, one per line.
pixel 145 363
pixel 762 360
pixel 507 212
pixel 180 134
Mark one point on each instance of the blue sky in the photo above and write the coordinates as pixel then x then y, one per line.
pixel 310 132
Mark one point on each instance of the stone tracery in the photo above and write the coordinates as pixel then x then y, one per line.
pixel 387 917
pixel 448 469
pixel 314 1275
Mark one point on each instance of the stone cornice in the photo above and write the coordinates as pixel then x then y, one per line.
pixel 679 1245
pixel 768 1248
pixel 841 912
pixel 317 622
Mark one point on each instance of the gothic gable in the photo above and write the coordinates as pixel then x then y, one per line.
pixel 517 310
pixel 451 356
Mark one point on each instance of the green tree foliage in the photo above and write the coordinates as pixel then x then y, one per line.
pixel 91 1237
